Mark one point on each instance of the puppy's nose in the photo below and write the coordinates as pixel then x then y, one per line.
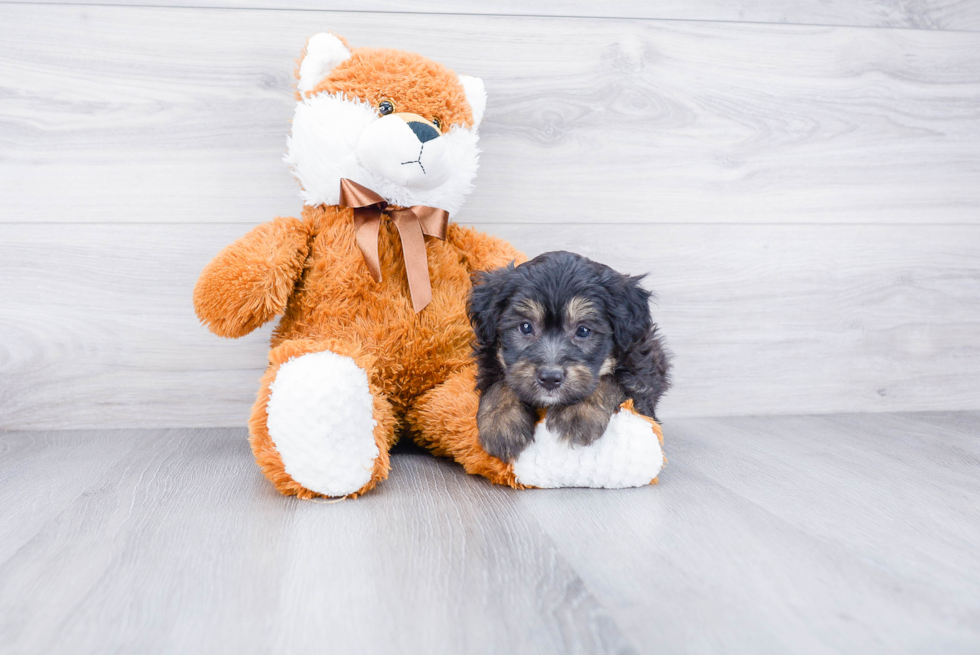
pixel 423 131
pixel 550 378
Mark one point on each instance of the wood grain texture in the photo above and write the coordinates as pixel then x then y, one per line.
pixel 848 534
pixel 776 534
pixel 98 328
pixel 28 497
pixel 139 114
pixel 916 14
pixel 182 547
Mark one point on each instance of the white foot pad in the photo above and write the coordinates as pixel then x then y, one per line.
pixel 628 454
pixel 321 419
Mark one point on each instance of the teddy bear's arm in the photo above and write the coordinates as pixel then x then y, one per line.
pixel 249 282
pixel 480 251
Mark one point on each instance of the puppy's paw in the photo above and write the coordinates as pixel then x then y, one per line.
pixel 579 424
pixel 583 423
pixel 506 424
pixel 506 442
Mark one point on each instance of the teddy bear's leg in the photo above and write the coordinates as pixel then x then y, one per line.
pixel 628 454
pixel 444 421
pixel 319 426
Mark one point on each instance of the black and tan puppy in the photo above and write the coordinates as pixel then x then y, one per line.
pixel 568 334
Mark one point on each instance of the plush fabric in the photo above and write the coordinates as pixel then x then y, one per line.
pixel 444 420
pixel 250 281
pixel 353 367
pixel 320 416
pixel 625 456
pixel 264 448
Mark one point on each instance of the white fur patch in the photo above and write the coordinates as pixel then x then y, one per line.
pixel 628 454
pixel 390 149
pixel 323 148
pixel 323 52
pixel 321 419
pixel 476 96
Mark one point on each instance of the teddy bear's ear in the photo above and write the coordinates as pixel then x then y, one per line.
pixel 476 95
pixel 323 52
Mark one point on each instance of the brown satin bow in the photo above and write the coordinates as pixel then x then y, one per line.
pixel 412 223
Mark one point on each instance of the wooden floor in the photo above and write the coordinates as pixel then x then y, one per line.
pixel 850 533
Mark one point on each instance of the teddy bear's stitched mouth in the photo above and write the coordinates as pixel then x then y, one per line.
pixel 418 160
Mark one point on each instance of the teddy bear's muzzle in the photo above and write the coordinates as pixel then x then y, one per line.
pixel 406 149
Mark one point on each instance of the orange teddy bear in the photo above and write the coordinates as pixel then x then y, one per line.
pixel 372 283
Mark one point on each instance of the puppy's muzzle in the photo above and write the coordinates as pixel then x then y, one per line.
pixel 550 378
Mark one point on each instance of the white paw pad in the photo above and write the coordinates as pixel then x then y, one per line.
pixel 321 419
pixel 628 454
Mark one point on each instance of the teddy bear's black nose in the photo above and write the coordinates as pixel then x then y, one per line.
pixel 423 131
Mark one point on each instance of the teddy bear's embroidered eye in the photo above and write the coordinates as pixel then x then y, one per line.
pixel 385 107
pixel 437 123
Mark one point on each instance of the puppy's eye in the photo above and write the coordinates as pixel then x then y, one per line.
pixel 385 107
pixel 526 328
pixel 437 123
pixel 583 332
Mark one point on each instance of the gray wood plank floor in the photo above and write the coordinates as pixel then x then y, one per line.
pixel 845 533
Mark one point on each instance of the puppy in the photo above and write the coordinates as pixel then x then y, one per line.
pixel 568 334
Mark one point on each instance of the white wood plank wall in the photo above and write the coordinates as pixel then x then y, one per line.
pixel 802 181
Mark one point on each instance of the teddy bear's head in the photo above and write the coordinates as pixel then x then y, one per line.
pixel 395 122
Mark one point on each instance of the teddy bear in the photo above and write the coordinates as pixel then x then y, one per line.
pixel 371 284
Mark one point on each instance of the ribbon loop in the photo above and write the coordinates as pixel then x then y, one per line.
pixel 434 221
pixel 412 224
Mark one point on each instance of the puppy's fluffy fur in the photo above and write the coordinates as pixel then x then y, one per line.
pixel 568 334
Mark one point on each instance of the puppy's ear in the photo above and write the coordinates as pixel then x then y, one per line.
pixel 487 302
pixel 629 309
